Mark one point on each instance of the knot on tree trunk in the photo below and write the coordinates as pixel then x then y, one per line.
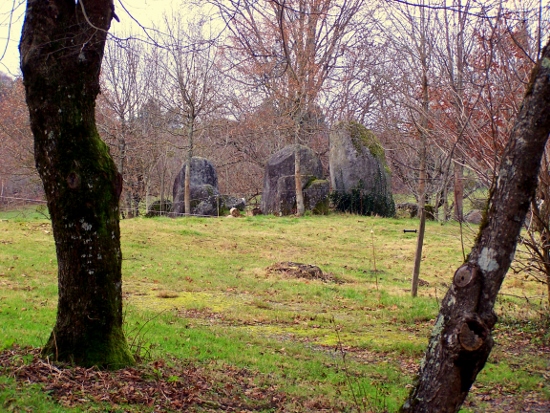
pixel 73 180
pixel 466 275
pixel 472 333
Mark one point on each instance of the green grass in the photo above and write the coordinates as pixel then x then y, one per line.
pixel 197 290
pixel 32 400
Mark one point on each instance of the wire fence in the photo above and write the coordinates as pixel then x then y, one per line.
pixel 21 207
pixel 251 202
pixel 220 207
pixel 11 201
pixel 216 205
pixel 219 204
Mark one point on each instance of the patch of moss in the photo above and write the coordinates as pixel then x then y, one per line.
pixel 361 137
pixel 310 181
pixel 321 207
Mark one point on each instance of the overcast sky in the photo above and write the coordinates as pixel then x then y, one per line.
pixel 147 12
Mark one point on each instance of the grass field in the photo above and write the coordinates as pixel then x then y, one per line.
pixel 202 307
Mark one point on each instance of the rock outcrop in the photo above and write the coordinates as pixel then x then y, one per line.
pixel 279 191
pixel 203 188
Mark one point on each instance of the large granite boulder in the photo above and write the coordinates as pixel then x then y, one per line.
pixel 279 192
pixel 359 174
pixel 203 186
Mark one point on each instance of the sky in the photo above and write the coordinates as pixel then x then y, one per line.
pixel 147 12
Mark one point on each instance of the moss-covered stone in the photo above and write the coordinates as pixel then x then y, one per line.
pixel 430 212
pixel 204 191
pixel 362 137
pixel 279 190
pixel 157 208
pixel 317 196
pixel 359 174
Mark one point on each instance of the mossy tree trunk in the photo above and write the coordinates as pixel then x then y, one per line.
pixel 461 340
pixel 62 48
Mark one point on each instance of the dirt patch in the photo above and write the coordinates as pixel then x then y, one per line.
pixel 299 270
pixel 167 294
pixel 206 314
pixel 495 400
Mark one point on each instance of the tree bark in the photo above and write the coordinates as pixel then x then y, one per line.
pixel 459 191
pixel 461 340
pixel 62 48
pixel 300 207
pixel 418 254
pixel 422 173
pixel 187 182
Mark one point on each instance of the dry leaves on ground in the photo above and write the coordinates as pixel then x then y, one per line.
pixel 156 385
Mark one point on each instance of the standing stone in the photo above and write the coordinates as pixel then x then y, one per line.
pixel 279 192
pixel 358 172
pixel 204 189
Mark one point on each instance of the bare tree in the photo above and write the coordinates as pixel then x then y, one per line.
pixel 126 82
pixel 287 50
pixel 455 55
pixel 461 340
pixel 533 259
pixel 190 94
pixel 409 33
pixel 18 176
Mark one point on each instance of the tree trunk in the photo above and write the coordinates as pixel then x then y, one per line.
pixel 461 340
pixel 147 190
pixel 300 207
pixel 422 174
pixel 121 143
pixel 61 53
pixel 187 187
pixel 445 203
pixel 459 191
pixel 187 181
pixel 546 258
pixel 421 210
pixel 418 254
pixel 162 189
